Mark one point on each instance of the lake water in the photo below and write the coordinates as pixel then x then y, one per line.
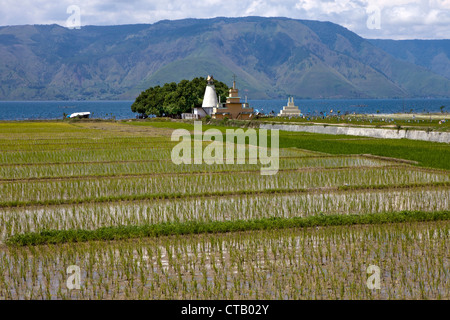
pixel 34 110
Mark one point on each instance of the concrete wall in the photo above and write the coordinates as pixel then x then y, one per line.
pixel 365 132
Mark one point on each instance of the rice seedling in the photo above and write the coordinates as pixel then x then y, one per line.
pixel 93 216
pixel 329 263
pixel 133 188
pixel 197 227
pixel 119 182
pixel 159 165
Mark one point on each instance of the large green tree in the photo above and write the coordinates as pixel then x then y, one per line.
pixel 173 99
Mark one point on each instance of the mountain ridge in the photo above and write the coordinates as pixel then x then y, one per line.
pixel 272 58
pixel 433 55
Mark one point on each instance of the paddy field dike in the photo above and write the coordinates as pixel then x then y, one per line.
pixel 106 197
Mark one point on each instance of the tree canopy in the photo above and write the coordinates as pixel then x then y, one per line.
pixel 173 99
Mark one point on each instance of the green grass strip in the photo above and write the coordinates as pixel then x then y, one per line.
pixel 198 227
pixel 427 154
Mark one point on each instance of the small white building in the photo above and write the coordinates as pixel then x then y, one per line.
pixel 291 110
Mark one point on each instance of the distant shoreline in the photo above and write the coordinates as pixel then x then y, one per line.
pixel 416 115
pixel 121 109
pixel 395 116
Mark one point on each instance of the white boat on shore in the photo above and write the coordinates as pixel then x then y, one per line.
pixel 79 115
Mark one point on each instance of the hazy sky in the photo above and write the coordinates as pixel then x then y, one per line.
pixel 394 19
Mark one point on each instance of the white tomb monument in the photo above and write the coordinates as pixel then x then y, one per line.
pixel 290 110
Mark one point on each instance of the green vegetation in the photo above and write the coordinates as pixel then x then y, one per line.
pixel 48 192
pixel 174 99
pixel 427 154
pixel 195 227
pixel 188 125
pixel 309 59
pixel 105 196
pixel 307 263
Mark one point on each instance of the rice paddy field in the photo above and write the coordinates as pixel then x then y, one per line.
pixel 106 197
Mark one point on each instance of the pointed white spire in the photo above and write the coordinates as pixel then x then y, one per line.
pixel 210 97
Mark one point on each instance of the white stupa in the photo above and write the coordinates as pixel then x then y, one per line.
pixel 209 99
pixel 290 110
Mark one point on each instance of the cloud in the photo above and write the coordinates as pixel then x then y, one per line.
pixel 398 19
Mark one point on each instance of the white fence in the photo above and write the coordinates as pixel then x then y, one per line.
pixel 190 116
pixel 366 132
